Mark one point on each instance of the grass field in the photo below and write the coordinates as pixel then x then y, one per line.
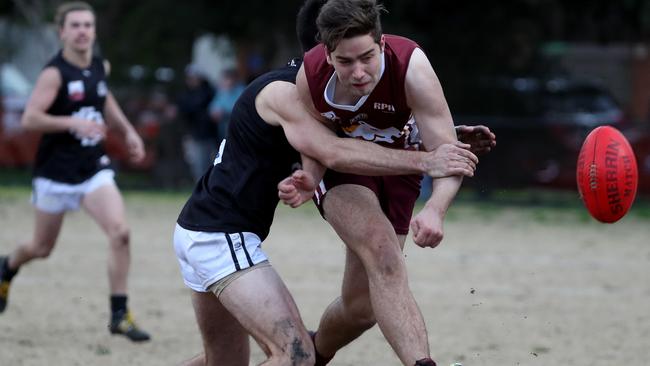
pixel 525 279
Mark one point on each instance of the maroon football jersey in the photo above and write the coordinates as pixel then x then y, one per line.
pixel 382 116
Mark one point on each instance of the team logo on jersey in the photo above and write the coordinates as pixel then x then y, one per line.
pixel 330 115
pixel 90 114
pixel 359 118
pixel 102 90
pixel 295 62
pixel 76 91
pixel 104 160
pixel 413 140
pixel 367 132
pixel 383 107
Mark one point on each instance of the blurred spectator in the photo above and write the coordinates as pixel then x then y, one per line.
pixel 255 65
pixel 170 170
pixel 193 110
pixel 17 146
pixel 230 88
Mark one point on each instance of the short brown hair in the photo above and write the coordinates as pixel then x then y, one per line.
pixel 65 8
pixel 339 19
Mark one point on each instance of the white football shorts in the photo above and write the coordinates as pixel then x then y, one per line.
pixel 205 257
pixel 55 197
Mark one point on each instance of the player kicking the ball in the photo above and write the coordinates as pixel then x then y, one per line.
pixel 380 88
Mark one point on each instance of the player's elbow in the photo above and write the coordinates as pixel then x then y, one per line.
pixel 333 164
pixel 326 153
pixel 335 159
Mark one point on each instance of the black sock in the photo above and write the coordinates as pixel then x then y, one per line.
pixel 425 362
pixel 7 273
pixel 118 304
pixel 320 360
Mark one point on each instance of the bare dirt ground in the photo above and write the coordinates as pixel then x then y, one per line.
pixel 508 286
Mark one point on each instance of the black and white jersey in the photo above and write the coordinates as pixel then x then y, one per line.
pixel 62 156
pixel 239 193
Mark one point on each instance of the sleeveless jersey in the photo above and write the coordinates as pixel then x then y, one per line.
pixel 62 156
pixel 383 116
pixel 239 193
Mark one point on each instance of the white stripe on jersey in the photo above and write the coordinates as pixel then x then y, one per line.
pixel 217 159
pixel 320 192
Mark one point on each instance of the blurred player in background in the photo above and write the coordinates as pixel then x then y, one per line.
pixel 68 105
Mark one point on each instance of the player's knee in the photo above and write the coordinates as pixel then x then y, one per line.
pixel 385 259
pixel 40 248
pixel 293 347
pixel 302 352
pixel 119 234
pixel 299 352
pixel 41 252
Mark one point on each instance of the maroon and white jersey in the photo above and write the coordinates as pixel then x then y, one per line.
pixel 383 116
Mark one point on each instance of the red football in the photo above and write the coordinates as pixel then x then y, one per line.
pixel 607 174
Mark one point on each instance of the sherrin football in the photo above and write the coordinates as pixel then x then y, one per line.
pixel 607 174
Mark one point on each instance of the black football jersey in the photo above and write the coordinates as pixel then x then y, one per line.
pixel 62 156
pixel 239 192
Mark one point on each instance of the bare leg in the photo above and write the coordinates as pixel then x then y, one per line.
pixel 46 230
pixel 106 207
pixel 225 341
pixel 354 212
pixel 261 303
pixel 351 314
pixel 198 360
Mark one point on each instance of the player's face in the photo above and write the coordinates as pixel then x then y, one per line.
pixel 78 31
pixel 357 62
